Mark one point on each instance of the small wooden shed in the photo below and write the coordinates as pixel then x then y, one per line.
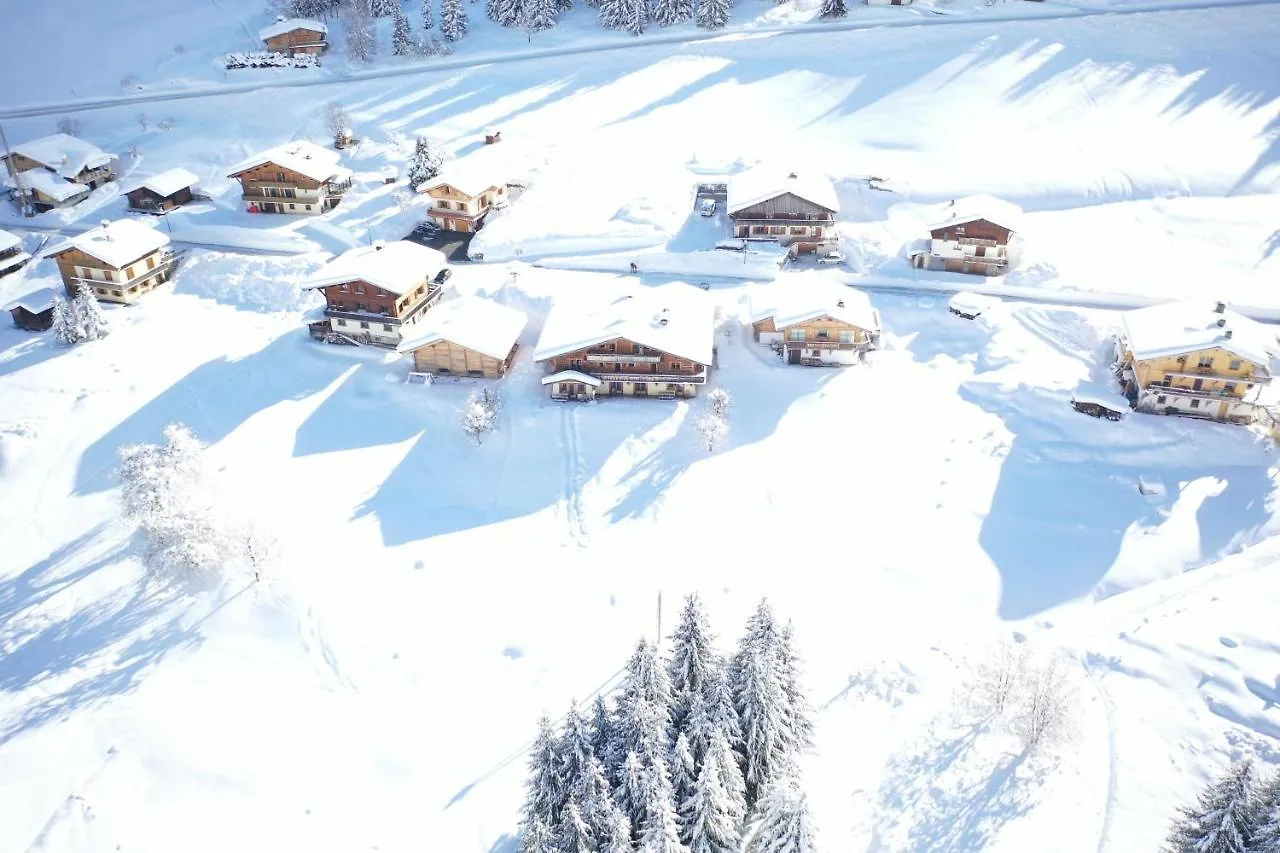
pixel 163 192
pixel 34 312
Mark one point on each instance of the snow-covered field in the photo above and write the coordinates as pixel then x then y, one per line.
pixel 433 595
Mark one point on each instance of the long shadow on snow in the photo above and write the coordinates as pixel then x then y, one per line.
pixel 20 350
pixel 216 398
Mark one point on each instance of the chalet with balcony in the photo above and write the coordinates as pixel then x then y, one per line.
pixel 45 191
pixel 34 312
pixel 1195 358
pixel 66 157
pixel 465 191
pixel 292 36
pixel 641 342
pixel 12 255
pixel 465 337
pixel 298 177
pixel 815 322
pixel 163 192
pixel 118 261
pixel 374 294
pixel 794 209
pixel 976 235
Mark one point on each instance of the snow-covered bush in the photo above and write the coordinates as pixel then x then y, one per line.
pixel 166 123
pixel 432 46
pixel 481 415
pixel 1042 707
pixel 65 329
pixel 81 319
pixel 269 59
pixel 70 125
pixel 713 424
pixel 337 120
pixel 429 154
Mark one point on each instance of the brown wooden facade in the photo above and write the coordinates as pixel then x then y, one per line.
pixel 297 41
pixel 626 368
pixel 788 218
pixel 272 188
pixel 149 200
pixel 368 314
pixel 1210 383
pixel 91 178
pixel 114 284
pixel 448 358
pixel 973 231
pixel 454 210
pixel 32 321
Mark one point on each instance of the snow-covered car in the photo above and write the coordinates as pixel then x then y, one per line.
pixel 732 245
pixel 707 207
pixel 832 257
pixel 443 275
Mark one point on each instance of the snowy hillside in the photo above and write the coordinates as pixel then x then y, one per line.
pixel 432 595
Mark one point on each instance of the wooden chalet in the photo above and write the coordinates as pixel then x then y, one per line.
pixel 65 156
pixel 644 342
pixel 793 209
pixel 465 337
pixel 465 191
pixel 12 255
pixel 292 36
pixel 117 261
pixel 976 236
pixel 34 312
pixel 44 190
pixel 298 177
pixel 815 322
pixel 163 192
pixel 1195 358
pixel 374 294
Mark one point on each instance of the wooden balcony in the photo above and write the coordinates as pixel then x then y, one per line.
pixel 699 378
pixel 823 343
pixel 168 261
pixel 1191 393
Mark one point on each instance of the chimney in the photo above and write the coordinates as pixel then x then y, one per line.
pixel 379 245
pixel 1219 307
pixel 662 322
pixel 1221 323
pixel 1227 334
pixel 791 176
pixel 105 232
pixel 840 304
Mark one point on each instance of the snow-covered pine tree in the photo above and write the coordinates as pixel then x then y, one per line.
pixel 684 775
pixel 428 19
pixel 65 329
pixel 591 788
pixel 643 722
pixel 575 749
pixel 783 824
pixel 833 9
pixel 629 15
pixel 383 8
pixel 538 15
pixel 601 731
pixel 659 830
pixel 362 34
pixel 628 790
pixel 545 789
pixel 711 816
pixel 88 316
pixel 592 4
pixel 537 837
pixel 692 660
pixel 573 835
pixel 735 789
pixel 799 713
pixel 453 20
pixel 668 12
pixel 1265 822
pixel 563 6
pixel 720 707
pixel 760 701
pixel 428 157
pixel 1221 821
pixel 402 43
pixel 712 14
pixel 613 834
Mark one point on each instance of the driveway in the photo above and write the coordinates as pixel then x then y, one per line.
pixel 453 244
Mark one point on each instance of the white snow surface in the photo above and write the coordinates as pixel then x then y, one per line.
pixel 118 243
pixel 63 153
pixel 8 241
pixel 571 376
pixel 674 317
pixel 279 28
pixel 765 182
pixel 1186 326
pixel 167 182
pixel 48 183
pixel 797 298
pixel 481 325
pixel 397 267
pixel 302 156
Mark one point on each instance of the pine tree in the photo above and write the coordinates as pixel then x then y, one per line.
pixel 563 6
pixel 453 20
pixel 538 15
pixel 428 157
pixel 383 8
pixel 659 831
pixel 711 816
pixel 712 14
pixel 760 702
pixel 402 43
pixel 720 705
pixel 428 20
pixel 88 317
pixel 537 837
pixel 684 775
pixel 362 35
pixel 798 712
pixel 629 15
pixel 545 790
pixel 601 731
pixel 833 9
pixel 65 328
pixel 1220 822
pixel 644 715
pixel 613 834
pixel 592 790
pixel 668 12
pixel 573 835
pixel 692 661
pixel 1265 820
pixel 493 11
pixel 628 791
pixel 783 824
pixel 575 749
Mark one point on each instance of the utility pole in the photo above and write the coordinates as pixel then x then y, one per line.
pixel 18 183
pixel 658 638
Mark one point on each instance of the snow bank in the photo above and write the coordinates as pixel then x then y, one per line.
pixel 716 263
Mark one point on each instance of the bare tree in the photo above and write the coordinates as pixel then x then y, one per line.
pixel 713 424
pixel 143 121
pixel 338 122
pixel 995 680
pixel 481 415
pixel 70 125
pixel 1042 713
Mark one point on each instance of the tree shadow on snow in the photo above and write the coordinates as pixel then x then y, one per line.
pixel 20 350
pixel 506 844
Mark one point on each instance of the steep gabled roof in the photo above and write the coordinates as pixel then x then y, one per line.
pixel 480 325
pixel 1177 328
pixel 166 183
pixel 288 25
pixel 64 154
pixel 805 298
pixel 49 184
pixel 760 184
pixel 36 301
pixel 475 173
pixel 675 318
pixel 117 243
pixel 8 240
pixel 305 158
pixel 972 208
pixel 397 267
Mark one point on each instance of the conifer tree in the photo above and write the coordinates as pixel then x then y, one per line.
pixel 453 20
pixel 760 702
pixel 383 8
pixel 575 748
pixel 1221 821
pixel 509 13
pixel 659 831
pixel 692 660
pixel 538 15
pixel 428 157
pixel 644 716
pixel 629 15
pixel 684 775
pixel 428 19
pixel 711 817
pixel 87 315
pixel 573 835
pixel 65 329
pixel 833 9
pixel 613 834
pixel 601 731
pixel 1265 822
pixel 563 6
pixel 362 36
pixel 537 837
pixel 491 11
pixel 783 824
pixel 798 712
pixel 628 791
pixel 712 14
pixel 402 43
pixel 545 790
pixel 668 12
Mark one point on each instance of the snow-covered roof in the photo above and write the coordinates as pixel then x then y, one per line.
pixel 35 301
pixel 63 153
pixel 397 267
pixel 117 243
pixel 1100 395
pixel 480 325
pixel 1175 328
pixel 970 303
pixel 571 376
pixel 288 25
pixel 484 168
pixel 303 157
pixel 970 208
pixel 8 241
pixel 799 300
pixel 166 183
pixel 675 318
pixel 48 184
pixel 10 262
pixel 761 184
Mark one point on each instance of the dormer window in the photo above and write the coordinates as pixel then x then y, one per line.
pixel 959 229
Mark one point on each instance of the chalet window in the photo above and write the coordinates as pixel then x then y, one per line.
pixel 675 365
pixel 292 206
pixel 280 177
pixel 1195 404
pixel 364 325
pixel 308 207
pixel 960 229
pixel 846 337
pixel 1206 361
pixel 342 322
pixel 630 364
pixel 1168 380
pixel 1161 399
pixel 151 262
pixel 128 273
pixel 360 306
pixel 116 293
pixel 796 334
pixel 102 291
pixel 475 372
pixel 1235 364
pixel 386 327
pixel 290 193
pixel 359 288
pixel 133 289
pixel 444 205
pixel 344 287
pixel 796 229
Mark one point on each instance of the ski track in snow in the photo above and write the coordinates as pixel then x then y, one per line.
pixel 75 800
pixel 574 474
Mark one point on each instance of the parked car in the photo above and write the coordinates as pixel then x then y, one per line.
pixel 732 245
pixel 832 257
pixel 443 275
pixel 707 207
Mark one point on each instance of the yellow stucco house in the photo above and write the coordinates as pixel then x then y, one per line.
pixel 1195 358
